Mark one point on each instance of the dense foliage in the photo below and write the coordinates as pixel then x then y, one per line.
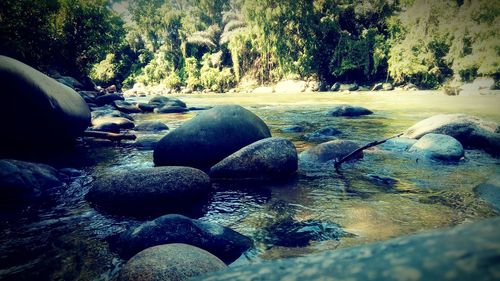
pixel 214 44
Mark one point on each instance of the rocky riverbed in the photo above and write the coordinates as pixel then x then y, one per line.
pixel 100 202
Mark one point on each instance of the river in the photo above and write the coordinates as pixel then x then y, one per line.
pixel 65 239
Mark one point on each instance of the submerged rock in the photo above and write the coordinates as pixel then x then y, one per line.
pixel 490 191
pixel 469 130
pixel 466 252
pixel 265 159
pixel 398 144
pixel 146 143
pixel 210 137
pixel 293 129
pixel 291 233
pixel 221 241
pixel 38 111
pixel 169 262
pixel 323 133
pixel 330 151
pixel 151 126
pixel 149 190
pixel 25 181
pixel 438 147
pixel 348 111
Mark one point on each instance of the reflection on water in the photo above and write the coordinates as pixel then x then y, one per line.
pixel 387 194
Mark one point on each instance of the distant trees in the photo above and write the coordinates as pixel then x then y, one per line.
pixel 214 44
pixel 68 35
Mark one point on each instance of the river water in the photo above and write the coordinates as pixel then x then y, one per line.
pixel 65 238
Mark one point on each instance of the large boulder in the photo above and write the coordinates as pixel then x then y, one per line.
pixel 172 262
pixel 330 151
pixel 149 190
pixel 466 252
pixel 480 84
pixel 348 111
pixel 265 159
pixel 489 191
pixel 38 111
pixel 25 181
pixel 223 242
pixel 210 137
pixel 438 147
pixel 471 131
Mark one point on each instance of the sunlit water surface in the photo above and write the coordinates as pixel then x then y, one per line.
pixel 65 239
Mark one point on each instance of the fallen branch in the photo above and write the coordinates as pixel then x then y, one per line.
pixel 355 152
pixel 108 136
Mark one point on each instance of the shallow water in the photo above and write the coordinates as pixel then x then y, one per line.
pixel 64 239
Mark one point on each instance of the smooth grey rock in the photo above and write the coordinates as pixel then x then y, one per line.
pixel 349 87
pixel 108 111
pixel 160 101
pixel 438 147
pixel 149 190
pixel 25 181
pixel 108 99
pixel 151 126
pixel 387 87
pixel 70 82
pixel 490 191
pixel 88 96
pixel 38 112
pixel 264 159
pixel 170 109
pixel 471 131
pixel 126 107
pixel 210 137
pixel 399 144
pixel 122 123
pixel 348 111
pixel 173 262
pixel 466 252
pixel 146 107
pixel 330 151
pixel 107 127
pixel 335 87
pixel 223 242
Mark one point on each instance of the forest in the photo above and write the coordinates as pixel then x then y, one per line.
pixel 218 44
